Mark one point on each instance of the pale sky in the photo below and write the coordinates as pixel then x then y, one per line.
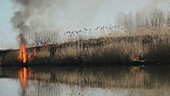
pixel 69 15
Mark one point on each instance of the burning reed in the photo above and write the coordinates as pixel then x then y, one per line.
pixel 22 56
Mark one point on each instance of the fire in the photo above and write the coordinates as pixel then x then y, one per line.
pixel 23 75
pixel 22 57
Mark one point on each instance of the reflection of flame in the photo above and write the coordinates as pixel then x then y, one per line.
pixel 23 75
pixel 22 57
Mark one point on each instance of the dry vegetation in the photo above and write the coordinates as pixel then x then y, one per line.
pixel 141 38
pixel 151 48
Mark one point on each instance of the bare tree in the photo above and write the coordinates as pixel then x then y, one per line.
pixel 45 38
pixel 138 22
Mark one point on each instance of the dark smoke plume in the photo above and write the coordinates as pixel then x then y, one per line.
pixel 40 15
pixel 36 15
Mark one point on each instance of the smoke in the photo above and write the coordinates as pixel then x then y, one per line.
pixel 156 2
pixel 61 15
pixel 36 15
pixel 163 5
pixel 42 15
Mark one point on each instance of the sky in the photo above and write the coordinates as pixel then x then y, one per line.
pixel 64 15
pixel 7 36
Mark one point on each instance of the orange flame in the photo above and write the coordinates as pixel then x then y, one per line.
pixel 23 75
pixel 22 57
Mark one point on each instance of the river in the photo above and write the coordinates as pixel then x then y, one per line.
pixel 85 81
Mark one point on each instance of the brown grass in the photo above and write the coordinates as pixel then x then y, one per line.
pixel 151 46
pixel 122 49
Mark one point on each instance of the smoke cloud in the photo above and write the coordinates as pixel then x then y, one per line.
pixel 42 15
pixel 164 5
pixel 62 15
pixel 36 15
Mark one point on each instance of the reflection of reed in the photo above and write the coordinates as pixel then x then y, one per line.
pixel 112 77
pixel 59 89
pixel 49 81
pixel 118 77
pixel 115 81
pixel 99 76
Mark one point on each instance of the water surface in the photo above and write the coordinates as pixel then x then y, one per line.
pixel 85 81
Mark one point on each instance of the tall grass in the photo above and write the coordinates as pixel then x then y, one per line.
pixel 122 49
pixel 102 55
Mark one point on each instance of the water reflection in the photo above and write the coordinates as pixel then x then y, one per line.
pixel 90 81
pixel 23 75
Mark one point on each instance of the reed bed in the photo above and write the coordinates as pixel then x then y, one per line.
pixel 124 49
pixel 152 48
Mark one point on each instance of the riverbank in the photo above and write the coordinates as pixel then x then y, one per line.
pixel 124 49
